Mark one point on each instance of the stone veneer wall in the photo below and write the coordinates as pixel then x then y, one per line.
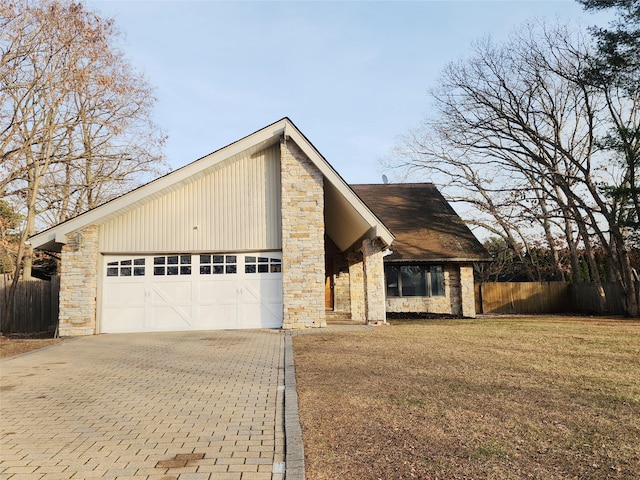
pixel 459 297
pixel 374 284
pixel 303 265
pixel 467 292
pixel 356 286
pixel 341 290
pixel 79 283
pixel 447 304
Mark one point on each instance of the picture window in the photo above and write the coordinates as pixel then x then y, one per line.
pixel 417 280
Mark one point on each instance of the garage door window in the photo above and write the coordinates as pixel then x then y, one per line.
pixel 211 264
pixel 126 268
pixel 262 265
pixel 172 265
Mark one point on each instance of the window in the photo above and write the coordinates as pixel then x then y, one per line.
pixel 126 268
pixel 262 265
pixel 414 280
pixel 213 264
pixel 172 265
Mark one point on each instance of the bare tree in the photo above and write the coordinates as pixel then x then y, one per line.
pixel 112 144
pixel 518 129
pixel 76 118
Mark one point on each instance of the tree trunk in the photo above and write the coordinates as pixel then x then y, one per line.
pixel 625 280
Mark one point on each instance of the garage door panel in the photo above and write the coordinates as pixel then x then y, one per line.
pixel 122 320
pixel 192 292
pixel 217 316
pixel 218 292
pixel 169 317
pixel 260 315
pixel 269 290
pixel 173 292
pixel 127 293
pixel 261 292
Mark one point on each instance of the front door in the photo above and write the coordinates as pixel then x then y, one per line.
pixel 328 282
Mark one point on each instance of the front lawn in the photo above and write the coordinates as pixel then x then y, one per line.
pixel 493 398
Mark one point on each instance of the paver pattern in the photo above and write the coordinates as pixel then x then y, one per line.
pixel 183 405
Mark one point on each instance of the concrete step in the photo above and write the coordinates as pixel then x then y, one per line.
pixel 340 318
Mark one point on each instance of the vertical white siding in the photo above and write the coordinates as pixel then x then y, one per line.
pixel 236 206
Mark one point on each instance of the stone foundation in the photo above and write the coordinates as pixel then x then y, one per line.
pixel 79 283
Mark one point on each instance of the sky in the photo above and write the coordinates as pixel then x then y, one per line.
pixel 353 76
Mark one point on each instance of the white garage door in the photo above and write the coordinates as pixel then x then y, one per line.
pixel 142 293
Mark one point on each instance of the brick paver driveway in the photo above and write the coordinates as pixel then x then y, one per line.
pixel 187 405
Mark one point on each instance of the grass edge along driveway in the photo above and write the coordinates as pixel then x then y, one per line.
pixel 493 398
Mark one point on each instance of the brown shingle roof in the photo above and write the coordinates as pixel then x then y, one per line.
pixel 425 226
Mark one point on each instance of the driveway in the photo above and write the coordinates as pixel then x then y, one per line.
pixel 184 405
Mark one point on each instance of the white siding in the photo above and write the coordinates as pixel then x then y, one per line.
pixel 236 206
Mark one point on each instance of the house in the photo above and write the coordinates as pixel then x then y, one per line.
pixel 235 239
pixel 262 233
pixel 430 266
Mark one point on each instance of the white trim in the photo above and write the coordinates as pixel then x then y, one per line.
pixel 100 289
pixel 379 229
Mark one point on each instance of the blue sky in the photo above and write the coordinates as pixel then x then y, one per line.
pixel 353 76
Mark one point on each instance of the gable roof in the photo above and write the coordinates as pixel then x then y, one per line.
pixel 350 220
pixel 425 226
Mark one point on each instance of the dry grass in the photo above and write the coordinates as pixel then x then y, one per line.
pixel 15 346
pixel 525 398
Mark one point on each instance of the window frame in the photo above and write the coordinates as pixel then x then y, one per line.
pixel 126 267
pixel 218 263
pixel 432 275
pixel 262 264
pixel 172 265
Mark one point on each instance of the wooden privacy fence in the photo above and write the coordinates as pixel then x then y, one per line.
pixel 547 297
pixel 35 310
pixel 585 298
pixel 523 297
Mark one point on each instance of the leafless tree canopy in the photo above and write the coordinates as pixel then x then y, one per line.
pixel 76 126
pixel 524 137
pixel 75 117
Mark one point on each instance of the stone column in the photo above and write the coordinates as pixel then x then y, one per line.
pixel 356 286
pixel 302 191
pixel 79 283
pixel 374 282
pixel 467 293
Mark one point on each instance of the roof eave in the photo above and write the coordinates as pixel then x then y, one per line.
pixel 379 229
pixel 438 260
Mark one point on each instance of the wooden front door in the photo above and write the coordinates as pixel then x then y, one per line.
pixel 328 282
